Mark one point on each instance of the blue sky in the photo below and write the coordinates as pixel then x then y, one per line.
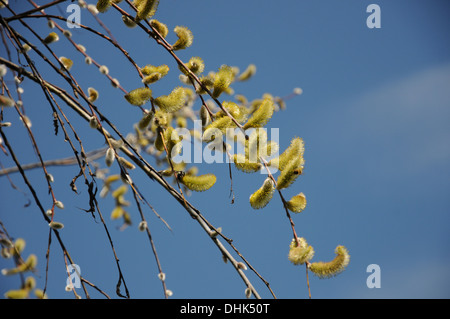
pixel 374 116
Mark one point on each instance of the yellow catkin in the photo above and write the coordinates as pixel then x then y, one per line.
pixel 185 38
pixel 170 138
pixel 128 22
pixel 234 110
pixel 149 69
pixel 120 191
pixel 271 148
pixel 160 119
pixel 181 122
pixel 28 265
pixel 204 116
pixel 93 94
pixel 139 96
pixel 126 218
pixel 145 121
pixel 56 225
pixel 68 63
pixel 126 163
pixel 218 128
pixel 174 101
pixel 332 268
pixel 300 252
pixel 262 115
pixel 146 8
pixel 30 283
pixel 173 142
pixel 31 261
pixel 117 212
pixel 177 167
pixel 207 82
pixel 152 78
pixel 160 27
pixel 159 142
pixel 222 80
pixel 18 247
pixel 263 195
pixel 195 65
pixel 39 293
pixel 52 37
pixel 198 183
pixel 297 203
pixel 245 165
pixel 248 73
pixel 103 5
pixel 111 179
pixel 288 175
pixel 154 73
pixel 256 144
pixel 295 149
pixel 17 294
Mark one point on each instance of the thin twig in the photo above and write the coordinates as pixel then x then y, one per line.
pixel 307 280
pixel 87 28
pixel 121 278
pixel 34 194
pixel 68 161
pixel 27 13
pixel 149 235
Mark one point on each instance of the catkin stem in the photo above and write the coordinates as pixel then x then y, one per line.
pixel 282 199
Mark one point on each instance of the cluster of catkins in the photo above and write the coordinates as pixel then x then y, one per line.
pixel 157 130
pixel 14 250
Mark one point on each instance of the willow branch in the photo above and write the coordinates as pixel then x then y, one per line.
pixel 36 198
pixel 27 13
pixel 147 169
pixel 68 161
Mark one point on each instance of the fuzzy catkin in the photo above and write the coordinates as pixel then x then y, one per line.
pixel 160 27
pixel 185 38
pixel 222 80
pixel 248 73
pixel 263 195
pixel 332 268
pixel 262 115
pixel 198 183
pixel 288 175
pixel 146 8
pixel 139 96
pixel 300 252
pixel 295 149
pixel 297 203
pixel 243 164
pixel 172 102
